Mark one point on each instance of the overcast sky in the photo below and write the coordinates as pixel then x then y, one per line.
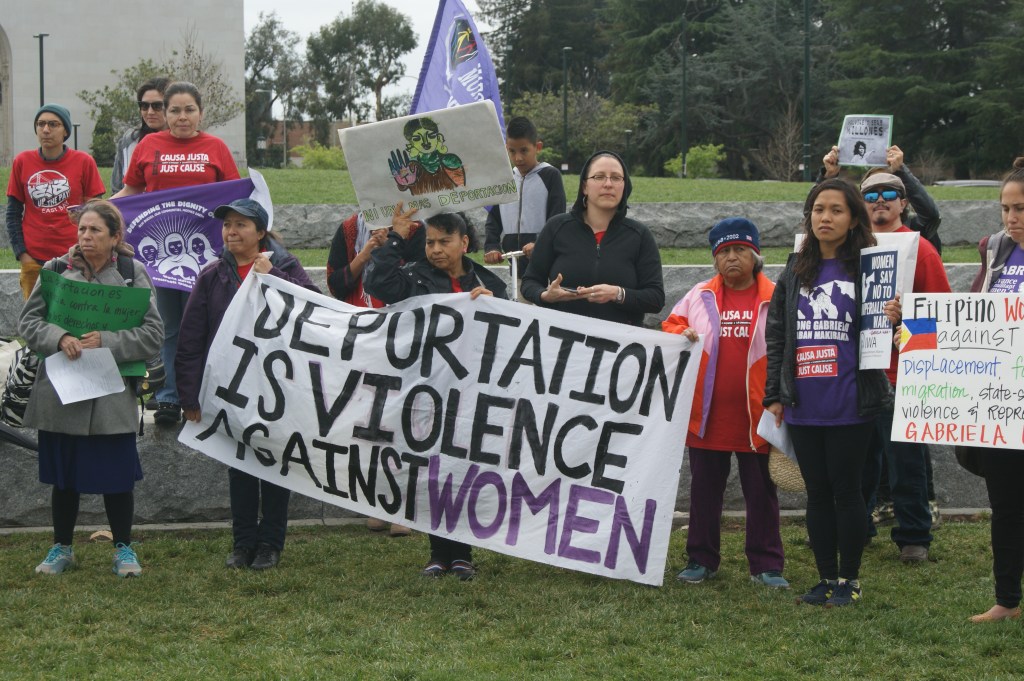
pixel 307 16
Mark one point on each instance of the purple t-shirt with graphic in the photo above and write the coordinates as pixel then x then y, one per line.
pixel 826 351
pixel 1011 279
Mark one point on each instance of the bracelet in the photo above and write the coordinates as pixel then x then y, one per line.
pixel 621 297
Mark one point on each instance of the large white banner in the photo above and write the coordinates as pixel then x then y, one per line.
pixel 516 428
pixel 961 370
pixel 438 162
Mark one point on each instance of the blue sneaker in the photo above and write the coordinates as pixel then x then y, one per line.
pixel 695 573
pixel 126 563
pixel 772 579
pixel 60 558
pixel 819 593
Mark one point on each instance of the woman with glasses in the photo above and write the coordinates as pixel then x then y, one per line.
pixel 151 110
pixel 181 156
pixel 593 260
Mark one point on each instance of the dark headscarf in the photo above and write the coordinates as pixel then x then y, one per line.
pixel 627 188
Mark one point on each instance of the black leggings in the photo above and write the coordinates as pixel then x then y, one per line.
pixel 444 550
pixel 1004 476
pixel 120 513
pixel 832 460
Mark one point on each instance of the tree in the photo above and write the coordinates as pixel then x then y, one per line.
pixel 273 69
pixel 364 49
pixel 924 64
pixel 114 107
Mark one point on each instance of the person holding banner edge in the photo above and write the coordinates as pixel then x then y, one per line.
pixel 594 261
pixel 815 385
pixel 148 172
pixel 248 246
pixel 1002 271
pixel 730 309
pixel 446 269
pixel 89 446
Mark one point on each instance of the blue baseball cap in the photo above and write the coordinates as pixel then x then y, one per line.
pixel 249 208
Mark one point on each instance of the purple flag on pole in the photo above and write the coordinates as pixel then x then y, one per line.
pixel 457 68
pixel 173 231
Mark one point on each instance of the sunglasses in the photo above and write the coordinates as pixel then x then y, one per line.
pixel 155 106
pixel 886 194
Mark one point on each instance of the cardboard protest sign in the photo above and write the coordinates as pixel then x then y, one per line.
pixel 863 140
pixel 961 370
pixel 440 162
pixel 174 232
pixel 880 283
pixel 502 425
pixel 82 306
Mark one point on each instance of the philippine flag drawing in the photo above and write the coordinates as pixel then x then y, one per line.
pixel 918 334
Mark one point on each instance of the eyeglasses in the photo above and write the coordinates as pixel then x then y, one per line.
pixel 601 179
pixel 154 106
pixel 52 125
pixel 886 194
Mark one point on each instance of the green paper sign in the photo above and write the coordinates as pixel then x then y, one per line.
pixel 79 307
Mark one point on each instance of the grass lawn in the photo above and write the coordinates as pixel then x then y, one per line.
pixel 295 186
pixel 348 604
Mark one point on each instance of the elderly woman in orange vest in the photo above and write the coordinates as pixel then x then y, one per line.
pixel 729 310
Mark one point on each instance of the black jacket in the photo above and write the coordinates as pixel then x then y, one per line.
pixel 874 394
pixel 627 257
pixel 389 281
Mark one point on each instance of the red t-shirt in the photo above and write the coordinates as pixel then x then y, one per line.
pixel 243 270
pixel 599 235
pixel 48 189
pixel 728 425
pixel 163 161
pixel 456 285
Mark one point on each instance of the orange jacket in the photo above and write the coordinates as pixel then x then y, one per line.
pixel 699 309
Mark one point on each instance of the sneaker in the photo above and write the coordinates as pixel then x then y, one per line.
pixel 913 555
pixel 772 579
pixel 152 404
pixel 434 569
pixel 58 559
pixel 399 530
pixel 167 414
pixel 819 593
pixel 375 525
pixel 126 563
pixel 847 592
pixel 695 573
pixel 463 569
pixel 241 557
pixel 883 513
pixel 936 515
pixel 266 557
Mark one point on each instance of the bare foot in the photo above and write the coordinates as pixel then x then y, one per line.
pixel 996 613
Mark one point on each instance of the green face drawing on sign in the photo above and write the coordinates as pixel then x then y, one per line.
pixel 425 166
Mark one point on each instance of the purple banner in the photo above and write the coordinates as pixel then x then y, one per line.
pixel 173 231
pixel 457 68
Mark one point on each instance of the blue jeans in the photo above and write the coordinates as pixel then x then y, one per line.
pixel 170 303
pixel 908 485
pixel 249 496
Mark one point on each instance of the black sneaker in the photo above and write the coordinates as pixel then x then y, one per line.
pixel 434 569
pixel 819 593
pixel 167 414
pixel 463 569
pixel 152 404
pixel 266 558
pixel 846 592
pixel 240 558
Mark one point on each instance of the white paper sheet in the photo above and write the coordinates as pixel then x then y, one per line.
pixel 92 375
pixel 776 435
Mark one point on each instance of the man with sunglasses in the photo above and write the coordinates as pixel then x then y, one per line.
pixel 907 462
pixel 44 183
pixel 925 217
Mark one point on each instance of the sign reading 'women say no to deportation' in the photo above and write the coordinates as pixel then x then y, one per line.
pixel 511 427
pixel 960 377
